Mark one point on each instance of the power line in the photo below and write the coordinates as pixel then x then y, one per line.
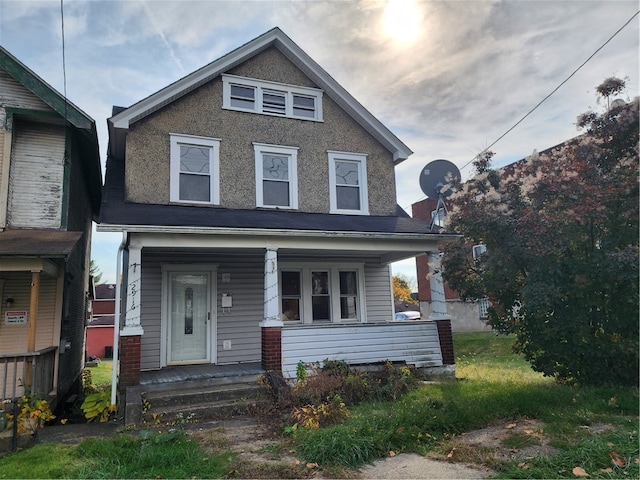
pixel 552 92
pixel 558 87
pixel 64 62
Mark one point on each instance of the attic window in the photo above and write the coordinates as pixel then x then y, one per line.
pixel 271 98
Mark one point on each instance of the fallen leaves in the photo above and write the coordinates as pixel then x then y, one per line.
pixel 392 453
pixel 617 459
pixel 511 425
pixel 579 472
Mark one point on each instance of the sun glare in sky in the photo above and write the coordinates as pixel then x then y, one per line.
pixel 402 20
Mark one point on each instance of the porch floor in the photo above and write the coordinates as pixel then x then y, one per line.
pixel 183 373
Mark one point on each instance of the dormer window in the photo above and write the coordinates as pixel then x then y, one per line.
pixel 271 98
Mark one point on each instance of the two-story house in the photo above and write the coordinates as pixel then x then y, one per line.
pixel 258 205
pixel 50 191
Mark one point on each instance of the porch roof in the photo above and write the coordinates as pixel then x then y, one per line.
pixel 37 243
pixel 117 214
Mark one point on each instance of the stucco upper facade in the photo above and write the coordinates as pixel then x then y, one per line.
pixel 201 113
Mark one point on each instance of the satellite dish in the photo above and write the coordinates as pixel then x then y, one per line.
pixel 437 175
pixel 618 102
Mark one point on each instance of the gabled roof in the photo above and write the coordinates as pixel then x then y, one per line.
pixel 63 107
pixel 84 124
pixel 120 122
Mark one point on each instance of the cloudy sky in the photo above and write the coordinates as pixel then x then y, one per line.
pixel 447 77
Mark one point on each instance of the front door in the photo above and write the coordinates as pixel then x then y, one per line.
pixel 189 315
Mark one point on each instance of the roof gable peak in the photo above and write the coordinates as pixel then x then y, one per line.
pixel 120 122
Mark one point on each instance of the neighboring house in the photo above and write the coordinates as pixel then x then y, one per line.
pixel 465 316
pixel 100 327
pixel 50 191
pixel 258 205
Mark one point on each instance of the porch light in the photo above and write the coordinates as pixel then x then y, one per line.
pixel 9 302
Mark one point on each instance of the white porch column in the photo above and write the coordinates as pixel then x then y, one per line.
pixel 438 301
pixel 132 323
pixel 271 292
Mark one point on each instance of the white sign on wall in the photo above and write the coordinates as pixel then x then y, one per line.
pixel 15 317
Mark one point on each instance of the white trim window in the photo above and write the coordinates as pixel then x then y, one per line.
pixel 271 98
pixel 348 183
pixel 322 294
pixel 195 169
pixel 276 176
pixel 478 250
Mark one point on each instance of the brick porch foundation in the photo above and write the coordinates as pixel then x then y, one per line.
pixel 130 360
pixel 272 348
pixel 446 341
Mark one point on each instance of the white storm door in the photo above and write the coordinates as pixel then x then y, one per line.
pixel 189 314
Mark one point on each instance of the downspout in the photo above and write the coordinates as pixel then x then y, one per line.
pixel 116 320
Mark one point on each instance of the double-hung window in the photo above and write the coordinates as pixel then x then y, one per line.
pixel 195 165
pixel 276 176
pixel 348 183
pixel 317 295
pixel 271 98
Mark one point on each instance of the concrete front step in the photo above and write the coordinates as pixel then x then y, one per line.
pixel 200 411
pixel 193 399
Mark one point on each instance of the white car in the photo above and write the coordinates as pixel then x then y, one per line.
pixel 407 316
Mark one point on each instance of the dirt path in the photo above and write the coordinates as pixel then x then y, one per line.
pixel 262 454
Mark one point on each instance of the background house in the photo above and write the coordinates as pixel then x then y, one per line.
pixel 265 233
pixel 100 328
pixel 465 316
pixel 50 191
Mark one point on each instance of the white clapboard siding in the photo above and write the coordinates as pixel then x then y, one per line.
pixel 14 94
pixel 37 174
pixel 379 299
pixel 415 343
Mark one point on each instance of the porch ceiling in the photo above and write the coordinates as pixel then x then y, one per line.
pixel 371 250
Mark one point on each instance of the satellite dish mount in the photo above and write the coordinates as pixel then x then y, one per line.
pixel 436 181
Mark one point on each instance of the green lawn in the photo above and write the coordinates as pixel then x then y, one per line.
pixel 101 374
pixel 492 386
pixel 594 429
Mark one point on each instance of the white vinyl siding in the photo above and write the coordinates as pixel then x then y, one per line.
pixel 379 298
pixel 416 344
pixel 195 169
pixel 276 176
pixel 348 192
pixel 271 98
pixel 36 179
pixel 239 324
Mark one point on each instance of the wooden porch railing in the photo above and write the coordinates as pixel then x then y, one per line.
pixel 14 370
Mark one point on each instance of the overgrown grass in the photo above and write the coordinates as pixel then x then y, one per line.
pixel 101 374
pixel 491 386
pixel 165 455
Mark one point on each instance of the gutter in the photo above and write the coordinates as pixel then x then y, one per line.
pixel 116 320
pixel 262 232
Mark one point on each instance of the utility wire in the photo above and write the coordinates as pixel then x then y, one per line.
pixel 552 92
pixel 64 62
pixel 558 87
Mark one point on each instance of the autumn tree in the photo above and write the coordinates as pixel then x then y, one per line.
pixel 95 272
pixel 402 288
pixel 561 261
